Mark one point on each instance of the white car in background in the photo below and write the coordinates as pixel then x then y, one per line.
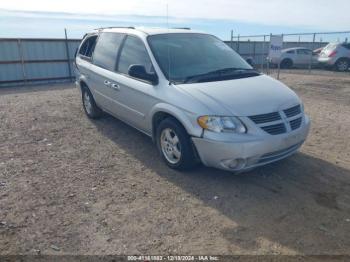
pixel 295 57
pixel 336 55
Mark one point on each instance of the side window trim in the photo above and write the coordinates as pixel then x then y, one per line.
pixel 119 54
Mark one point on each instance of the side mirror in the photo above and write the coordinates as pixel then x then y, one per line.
pixel 139 71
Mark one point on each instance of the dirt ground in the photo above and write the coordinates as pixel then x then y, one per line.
pixel 69 185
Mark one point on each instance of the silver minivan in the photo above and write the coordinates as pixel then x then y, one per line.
pixel 192 94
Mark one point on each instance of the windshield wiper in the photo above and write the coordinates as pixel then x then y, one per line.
pixel 221 73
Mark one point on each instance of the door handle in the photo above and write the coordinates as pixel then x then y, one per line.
pixel 107 83
pixel 115 86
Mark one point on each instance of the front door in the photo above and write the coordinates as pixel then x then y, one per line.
pixel 135 97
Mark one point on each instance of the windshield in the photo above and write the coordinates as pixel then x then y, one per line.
pixel 185 56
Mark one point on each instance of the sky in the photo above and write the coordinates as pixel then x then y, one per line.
pixel 47 18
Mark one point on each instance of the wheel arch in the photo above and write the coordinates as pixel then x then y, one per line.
pixel 83 84
pixel 162 111
pixel 343 58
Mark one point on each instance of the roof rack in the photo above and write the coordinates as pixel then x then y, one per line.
pixel 184 28
pixel 110 27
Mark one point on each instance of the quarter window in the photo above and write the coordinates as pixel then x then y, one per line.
pixel 106 50
pixel 88 46
pixel 134 53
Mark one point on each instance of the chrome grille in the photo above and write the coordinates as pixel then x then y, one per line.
pixel 274 124
pixel 275 129
pixel 265 118
pixel 293 111
pixel 296 123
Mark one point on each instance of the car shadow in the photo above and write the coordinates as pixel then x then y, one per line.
pixel 300 204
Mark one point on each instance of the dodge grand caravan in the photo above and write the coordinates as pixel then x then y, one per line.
pixel 192 94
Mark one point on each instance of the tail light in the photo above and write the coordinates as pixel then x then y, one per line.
pixel 332 54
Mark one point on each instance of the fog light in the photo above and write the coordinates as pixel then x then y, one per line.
pixel 234 164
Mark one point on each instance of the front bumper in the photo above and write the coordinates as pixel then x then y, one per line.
pixel 241 155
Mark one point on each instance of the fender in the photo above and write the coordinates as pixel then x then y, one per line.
pixel 186 118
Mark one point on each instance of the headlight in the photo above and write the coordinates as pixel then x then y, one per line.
pixel 221 124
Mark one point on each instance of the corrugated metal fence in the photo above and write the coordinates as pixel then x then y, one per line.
pixel 25 61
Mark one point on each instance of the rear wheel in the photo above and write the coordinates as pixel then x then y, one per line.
pixel 89 104
pixel 175 145
pixel 342 65
pixel 286 64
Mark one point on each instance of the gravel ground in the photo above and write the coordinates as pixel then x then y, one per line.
pixel 69 185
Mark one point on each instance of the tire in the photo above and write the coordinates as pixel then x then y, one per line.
pixel 286 64
pixel 342 65
pixel 89 104
pixel 187 159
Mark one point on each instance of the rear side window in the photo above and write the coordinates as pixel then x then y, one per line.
pixel 88 46
pixel 106 51
pixel 304 52
pixel 134 53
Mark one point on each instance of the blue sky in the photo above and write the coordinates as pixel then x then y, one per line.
pixel 42 18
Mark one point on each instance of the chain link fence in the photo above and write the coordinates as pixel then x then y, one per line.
pixel 305 49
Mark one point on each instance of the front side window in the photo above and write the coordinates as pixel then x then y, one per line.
pixel 184 56
pixel 88 46
pixel 106 50
pixel 134 53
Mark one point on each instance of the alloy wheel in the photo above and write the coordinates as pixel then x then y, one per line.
pixel 170 145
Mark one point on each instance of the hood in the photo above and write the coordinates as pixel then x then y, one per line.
pixel 243 97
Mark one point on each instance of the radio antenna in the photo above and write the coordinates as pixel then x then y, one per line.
pixel 168 42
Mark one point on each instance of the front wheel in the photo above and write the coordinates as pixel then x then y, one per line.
pixel 175 146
